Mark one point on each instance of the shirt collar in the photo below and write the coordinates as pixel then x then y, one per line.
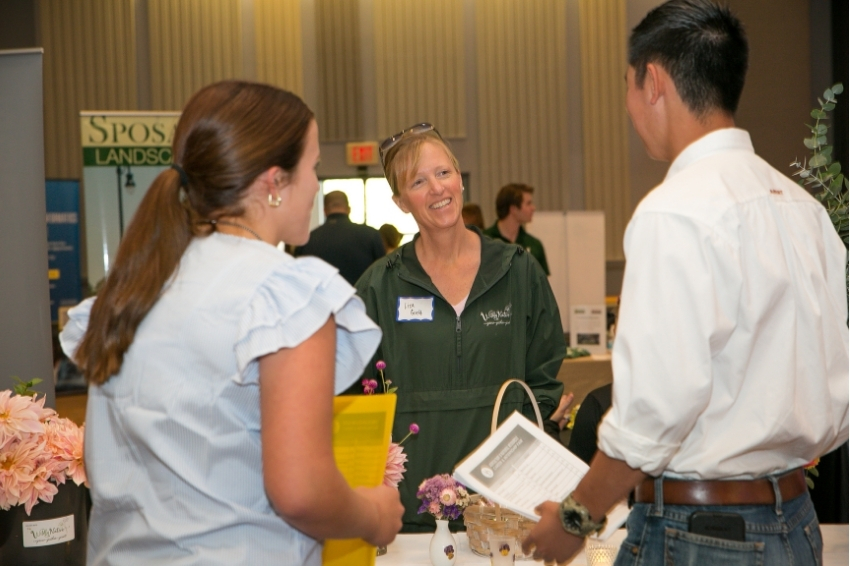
pixel 337 217
pixel 725 139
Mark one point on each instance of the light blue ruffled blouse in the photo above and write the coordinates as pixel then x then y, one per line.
pixel 172 448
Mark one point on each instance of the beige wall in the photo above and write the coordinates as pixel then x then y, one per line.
pixel 527 90
pixel 777 99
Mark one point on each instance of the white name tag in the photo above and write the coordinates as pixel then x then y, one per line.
pixel 415 309
pixel 51 531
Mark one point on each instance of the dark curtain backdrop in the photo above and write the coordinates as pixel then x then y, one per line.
pixel 830 494
pixel 839 74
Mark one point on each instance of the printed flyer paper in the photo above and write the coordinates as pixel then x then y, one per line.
pixel 519 467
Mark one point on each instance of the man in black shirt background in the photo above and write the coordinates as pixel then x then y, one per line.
pixel 349 247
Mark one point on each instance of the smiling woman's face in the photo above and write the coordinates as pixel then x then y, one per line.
pixel 432 193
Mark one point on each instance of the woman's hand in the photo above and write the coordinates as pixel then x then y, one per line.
pixel 561 415
pixel 388 511
pixel 302 481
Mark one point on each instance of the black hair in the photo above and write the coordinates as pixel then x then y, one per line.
pixel 701 45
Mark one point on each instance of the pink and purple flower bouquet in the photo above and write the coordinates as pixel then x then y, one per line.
pixel 443 497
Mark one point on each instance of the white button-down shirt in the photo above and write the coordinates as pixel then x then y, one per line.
pixel 731 355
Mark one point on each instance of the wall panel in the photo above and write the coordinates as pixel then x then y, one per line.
pixel 605 122
pixel 419 62
pixel 277 36
pixel 192 43
pixel 776 123
pixel 522 99
pixel 89 64
pixel 340 108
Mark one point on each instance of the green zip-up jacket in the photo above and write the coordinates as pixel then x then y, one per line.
pixel 448 368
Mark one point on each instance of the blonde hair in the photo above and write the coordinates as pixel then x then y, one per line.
pixel 401 160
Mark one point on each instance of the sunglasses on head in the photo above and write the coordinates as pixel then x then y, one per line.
pixel 391 141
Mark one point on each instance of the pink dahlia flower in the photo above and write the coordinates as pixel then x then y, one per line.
pixel 395 469
pixel 19 462
pixel 20 415
pixel 40 487
pixel 65 441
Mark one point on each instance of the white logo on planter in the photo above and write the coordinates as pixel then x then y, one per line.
pixel 46 533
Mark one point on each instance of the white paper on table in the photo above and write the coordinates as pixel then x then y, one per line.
pixel 519 467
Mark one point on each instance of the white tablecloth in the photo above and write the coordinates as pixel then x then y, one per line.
pixel 412 550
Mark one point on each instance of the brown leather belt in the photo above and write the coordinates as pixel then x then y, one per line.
pixel 723 492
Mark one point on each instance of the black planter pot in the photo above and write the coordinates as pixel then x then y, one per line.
pixel 71 500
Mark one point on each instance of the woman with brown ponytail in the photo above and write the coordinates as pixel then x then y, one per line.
pixel 213 357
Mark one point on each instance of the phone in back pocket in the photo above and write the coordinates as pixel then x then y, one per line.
pixel 729 526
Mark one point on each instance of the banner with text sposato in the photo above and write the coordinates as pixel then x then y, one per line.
pixel 123 152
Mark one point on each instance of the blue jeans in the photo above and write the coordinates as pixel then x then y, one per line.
pixel 785 533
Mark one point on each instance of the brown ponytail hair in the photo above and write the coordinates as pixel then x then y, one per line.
pixel 228 134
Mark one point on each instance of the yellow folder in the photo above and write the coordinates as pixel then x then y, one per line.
pixel 362 428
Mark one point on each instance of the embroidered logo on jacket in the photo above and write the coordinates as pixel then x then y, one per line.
pixel 497 317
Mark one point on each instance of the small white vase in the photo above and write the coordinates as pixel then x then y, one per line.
pixel 443 549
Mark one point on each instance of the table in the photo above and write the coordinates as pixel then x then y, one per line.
pixel 412 550
pixel 582 375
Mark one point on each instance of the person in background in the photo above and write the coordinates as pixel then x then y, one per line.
pixel 349 247
pixel 461 313
pixel 583 438
pixel 212 357
pixel 390 236
pixel 472 215
pixel 514 209
pixel 731 357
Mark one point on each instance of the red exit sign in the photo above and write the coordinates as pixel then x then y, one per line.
pixel 361 153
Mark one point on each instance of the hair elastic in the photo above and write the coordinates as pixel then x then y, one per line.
pixel 184 178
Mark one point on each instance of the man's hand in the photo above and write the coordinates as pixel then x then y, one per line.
pixel 548 539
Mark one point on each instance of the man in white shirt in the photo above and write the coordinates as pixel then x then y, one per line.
pixel 731 357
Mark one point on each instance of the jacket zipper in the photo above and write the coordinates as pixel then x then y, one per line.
pixel 458 350
pixel 458 334
pixel 458 327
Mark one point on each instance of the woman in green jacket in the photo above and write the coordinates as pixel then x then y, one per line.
pixel 460 313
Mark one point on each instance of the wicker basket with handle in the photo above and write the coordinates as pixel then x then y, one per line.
pixel 483 517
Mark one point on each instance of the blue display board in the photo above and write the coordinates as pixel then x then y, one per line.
pixel 63 244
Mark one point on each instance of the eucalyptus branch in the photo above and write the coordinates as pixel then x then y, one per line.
pixel 819 172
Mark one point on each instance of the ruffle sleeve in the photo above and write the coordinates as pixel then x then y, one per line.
pixel 74 330
pixel 291 305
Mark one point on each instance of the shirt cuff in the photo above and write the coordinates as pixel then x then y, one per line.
pixel 639 452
